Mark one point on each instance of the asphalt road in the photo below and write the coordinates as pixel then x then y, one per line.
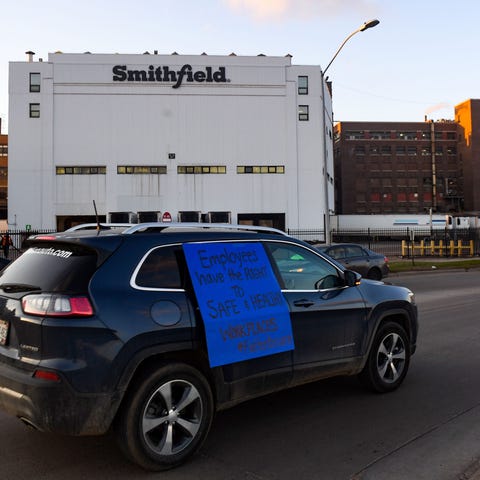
pixel 428 429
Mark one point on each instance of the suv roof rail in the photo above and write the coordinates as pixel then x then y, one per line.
pixel 160 226
pixel 99 226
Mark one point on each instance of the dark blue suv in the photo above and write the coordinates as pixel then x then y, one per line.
pixel 151 329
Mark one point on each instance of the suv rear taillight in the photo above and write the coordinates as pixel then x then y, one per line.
pixel 55 305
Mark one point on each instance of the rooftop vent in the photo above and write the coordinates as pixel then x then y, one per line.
pixel 30 55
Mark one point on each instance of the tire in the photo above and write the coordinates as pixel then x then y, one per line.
pixel 388 360
pixel 374 274
pixel 165 417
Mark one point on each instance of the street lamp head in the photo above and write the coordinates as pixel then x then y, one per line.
pixel 369 24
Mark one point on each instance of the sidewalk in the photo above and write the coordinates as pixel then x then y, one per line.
pixel 438 454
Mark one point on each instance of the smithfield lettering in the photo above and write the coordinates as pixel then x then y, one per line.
pixel 163 74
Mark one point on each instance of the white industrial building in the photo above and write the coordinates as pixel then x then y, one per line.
pixel 187 138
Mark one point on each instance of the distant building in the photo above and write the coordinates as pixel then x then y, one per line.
pixel 3 174
pixel 397 167
pixel 467 115
pixel 213 138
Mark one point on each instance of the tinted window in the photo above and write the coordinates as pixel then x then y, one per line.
pixel 336 252
pixel 354 251
pixel 299 268
pixel 53 268
pixel 160 269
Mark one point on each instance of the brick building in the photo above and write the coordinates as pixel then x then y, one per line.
pixel 397 167
pixel 467 115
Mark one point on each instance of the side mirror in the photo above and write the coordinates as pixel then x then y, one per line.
pixel 352 278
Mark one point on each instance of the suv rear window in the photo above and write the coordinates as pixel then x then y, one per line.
pixel 53 267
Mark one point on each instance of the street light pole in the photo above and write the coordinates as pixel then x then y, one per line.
pixel 365 26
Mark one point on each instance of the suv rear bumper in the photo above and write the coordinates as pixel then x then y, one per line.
pixel 54 406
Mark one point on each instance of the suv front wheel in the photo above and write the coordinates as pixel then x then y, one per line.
pixel 165 417
pixel 388 360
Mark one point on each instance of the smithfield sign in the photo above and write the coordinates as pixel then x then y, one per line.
pixel 163 73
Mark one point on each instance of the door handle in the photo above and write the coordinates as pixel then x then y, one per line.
pixel 303 303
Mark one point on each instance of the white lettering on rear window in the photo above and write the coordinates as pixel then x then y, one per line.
pixel 50 251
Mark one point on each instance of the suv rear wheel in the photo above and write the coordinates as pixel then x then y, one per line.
pixel 165 417
pixel 388 359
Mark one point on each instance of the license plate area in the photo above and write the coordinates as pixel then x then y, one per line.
pixel 3 332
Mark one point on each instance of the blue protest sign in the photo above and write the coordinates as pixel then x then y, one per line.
pixel 243 309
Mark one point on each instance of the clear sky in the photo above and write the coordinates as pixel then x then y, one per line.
pixel 422 58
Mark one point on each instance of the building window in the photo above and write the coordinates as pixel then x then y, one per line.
pixel 400 150
pixel 141 169
pixel 407 135
pixel 260 169
pixel 97 170
pixel 426 151
pixel 412 151
pixel 303 113
pixel 34 82
pixel 201 169
pixel 380 135
pixel 360 150
pixel 386 150
pixel 34 110
pixel 3 150
pixel 303 85
pixel 355 135
pixel 387 197
pixel 452 150
pixel 413 197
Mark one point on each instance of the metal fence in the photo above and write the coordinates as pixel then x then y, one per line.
pixel 389 241
pixel 18 238
pixel 386 241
